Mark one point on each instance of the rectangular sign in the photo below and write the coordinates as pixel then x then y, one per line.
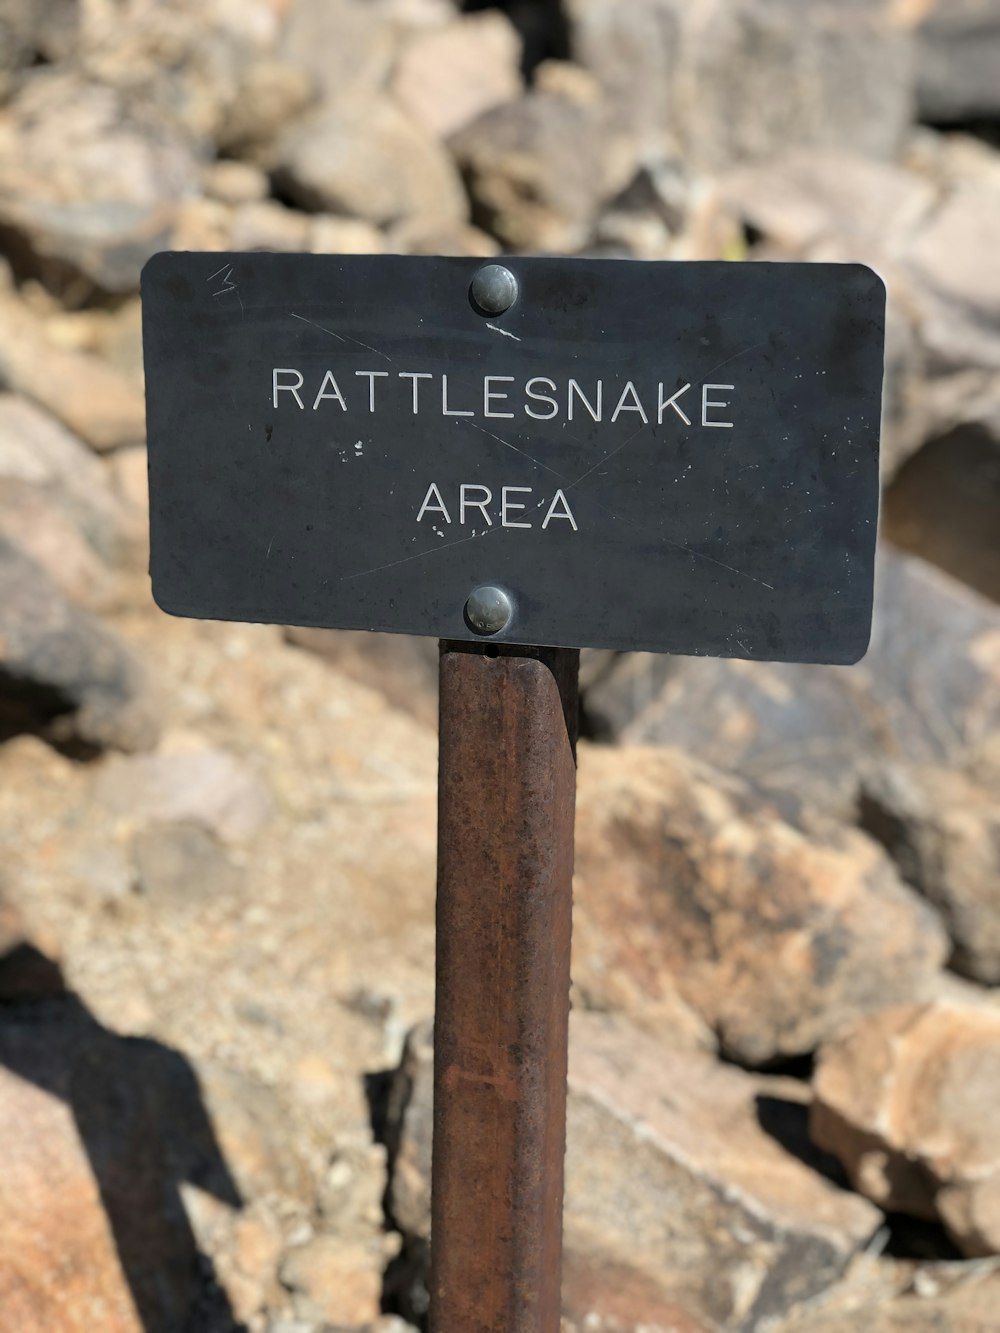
pixel 675 457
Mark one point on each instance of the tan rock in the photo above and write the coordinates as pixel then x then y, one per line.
pixel 450 75
pixel 537 170
pixel 343 236
pixel 82 183
pixel 682 1212
pixel 943 830
pixel 686 883
pixel 233 182
pixel 334 1281
pixel 907 1100
pixel 95 401
pixel 366 159
pixel 268 225
pixel 188 781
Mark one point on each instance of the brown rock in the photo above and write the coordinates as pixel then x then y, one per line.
pixel 775 939
pixel 537 171
pixel 94 400
pixel 682 1212
pixel 366 159
pixel 450 75
pixel 907 1100
pixel 943 831
pixel 83 184
pixel 335 1281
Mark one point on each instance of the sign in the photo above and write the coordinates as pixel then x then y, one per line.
pixel 676 457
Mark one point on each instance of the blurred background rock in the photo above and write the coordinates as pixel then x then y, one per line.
pixel 216 886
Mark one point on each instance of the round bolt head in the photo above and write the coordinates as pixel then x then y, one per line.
pixel 494 289
pixel 488 610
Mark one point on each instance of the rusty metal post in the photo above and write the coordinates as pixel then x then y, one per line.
pixel 505 863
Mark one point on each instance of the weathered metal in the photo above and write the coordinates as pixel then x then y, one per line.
pixel 494 289
pixel 488 610
pixel 505 863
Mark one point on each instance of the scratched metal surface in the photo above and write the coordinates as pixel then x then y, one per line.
pixel 750 540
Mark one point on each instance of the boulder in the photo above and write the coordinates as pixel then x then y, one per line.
pixel 346 46
pixel 941 1298
pixel 536 170
pixel 63 672
pixel 449 75
pixel 943 831
pixel 958 53
pixel 402 668
pixel 928 692
pixel 775 939
pixel 56 503
pixel 907 1099
pixel 688 1205
pixel 739 80
pixel 86 187
pixel 365 158
pixel 97 402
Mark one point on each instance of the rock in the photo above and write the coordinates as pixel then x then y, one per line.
pixel 927 693
pixel 57 505
pixel 26 971
pixel 417 238
pixel 234 183
pixel 343 236
pixel 682 1210
pixel 27 31
pixel 775 939
pixel 345 45
pixel 182 863
pixel 955 285
pixel 269 98
pixel 402 668
pixel 957 1298
pixel 99 1134
pixel 536 170
pixel 367 159
pixel 63 672
pixel 449 75
pixel 958 49
pixel 85 187
pixel 943 831
pixel 188 782
pixel 907 1101
pixel 268 225
pixel 334 1281
pixel 942 505
pixel 747 77
pixel 94 400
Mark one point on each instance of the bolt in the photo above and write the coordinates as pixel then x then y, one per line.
pixel 488 610
pixel 494 289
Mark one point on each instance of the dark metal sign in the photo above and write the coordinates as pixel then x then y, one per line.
pixel 663 456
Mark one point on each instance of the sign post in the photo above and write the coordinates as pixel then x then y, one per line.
pixel 576 453
pixel 505 868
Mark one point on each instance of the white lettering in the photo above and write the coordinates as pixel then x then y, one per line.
pixel 574 387
pixel 371 376
pixel 445 410
pixel 566 511
pixel 635 406
pixel 672 402
pixel 707 402
pixel 437 508
pixel 506 506
pixel 541 398
pixel 336 394
pixel 465 504
pixel 288 388
pixel 415 376
pixel 492 395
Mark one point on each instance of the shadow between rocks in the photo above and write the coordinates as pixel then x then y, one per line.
pixel 139 1113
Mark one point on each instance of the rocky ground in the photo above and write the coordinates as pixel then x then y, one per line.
pixel 217 880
